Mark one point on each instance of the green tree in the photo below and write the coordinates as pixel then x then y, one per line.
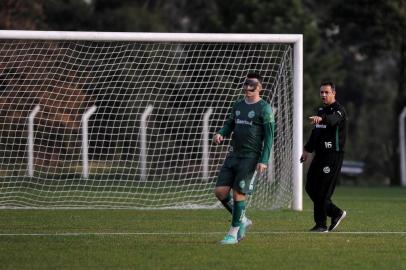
pixel 128 16
pixel 70 15
pixel 371 35
pixel 321 56
pixel 21 15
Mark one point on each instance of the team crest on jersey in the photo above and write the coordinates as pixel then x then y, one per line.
pixel 237 113
pixel 251 114
pixel 326 169
pixel 242 184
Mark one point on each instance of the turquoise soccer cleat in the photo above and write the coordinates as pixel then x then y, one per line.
pixel 229 240
pixel 244 227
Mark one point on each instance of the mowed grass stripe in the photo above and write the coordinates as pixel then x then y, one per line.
pixel 371 237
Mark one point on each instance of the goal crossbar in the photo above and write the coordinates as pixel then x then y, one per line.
pixel 150 37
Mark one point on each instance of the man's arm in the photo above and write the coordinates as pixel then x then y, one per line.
pixel 268 141
pixel 311 143
pixel 333 119
pixel 226 129
pixel 269 130
pixel 305 156
pixel 309 146
pixel 228 126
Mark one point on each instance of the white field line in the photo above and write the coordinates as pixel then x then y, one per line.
pixel 186 233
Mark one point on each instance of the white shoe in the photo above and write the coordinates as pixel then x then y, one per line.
pixel 229 240
pixel 244 227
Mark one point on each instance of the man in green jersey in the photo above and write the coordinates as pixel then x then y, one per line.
pixel 251 126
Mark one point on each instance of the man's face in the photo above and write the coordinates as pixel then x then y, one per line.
pixel 327 95
pixel 251 87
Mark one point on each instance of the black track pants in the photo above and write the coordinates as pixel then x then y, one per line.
pixel 321 181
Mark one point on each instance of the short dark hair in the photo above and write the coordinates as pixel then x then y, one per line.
pixel 328 83
pixel 254 75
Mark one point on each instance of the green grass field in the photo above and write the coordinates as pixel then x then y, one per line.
pixel 373 236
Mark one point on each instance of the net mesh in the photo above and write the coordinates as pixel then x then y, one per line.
pixel 180 80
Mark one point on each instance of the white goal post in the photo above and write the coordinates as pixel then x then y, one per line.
pixel 124 120
pixel 402 146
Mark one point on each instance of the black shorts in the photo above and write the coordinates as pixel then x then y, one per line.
pixel 237 173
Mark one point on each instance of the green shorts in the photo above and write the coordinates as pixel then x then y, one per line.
pixel 237 173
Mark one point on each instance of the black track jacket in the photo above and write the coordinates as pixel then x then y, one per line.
pixel 330 134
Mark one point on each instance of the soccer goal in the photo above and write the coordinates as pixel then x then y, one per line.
pixel 125 120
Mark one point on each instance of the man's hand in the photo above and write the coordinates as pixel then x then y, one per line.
pixel 315 120
pixel 261 168
pixel 305 156
pixel 218 138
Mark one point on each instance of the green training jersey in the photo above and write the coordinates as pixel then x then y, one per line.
pixel 252 127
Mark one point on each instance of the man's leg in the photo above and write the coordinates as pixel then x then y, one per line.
pixel 240 222
pixel 238 210
pixel 222 191
pixel 223 195
pixel 237 216
pixel 336 162
pixel 224 182
pixel 314 188
pixel 245 223
pixel 328 171
pixel 243 185
pixel 333 211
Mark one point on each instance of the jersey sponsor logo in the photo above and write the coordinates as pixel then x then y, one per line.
pixel 251 114
pixel 321 126
pixel 243 122
pixel 326 169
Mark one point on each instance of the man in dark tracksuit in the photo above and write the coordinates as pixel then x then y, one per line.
pixel 327 140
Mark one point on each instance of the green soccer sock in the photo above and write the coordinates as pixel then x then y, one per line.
pixel 228 203
pixel 238 213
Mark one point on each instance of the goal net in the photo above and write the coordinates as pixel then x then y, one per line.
pixel 125 120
